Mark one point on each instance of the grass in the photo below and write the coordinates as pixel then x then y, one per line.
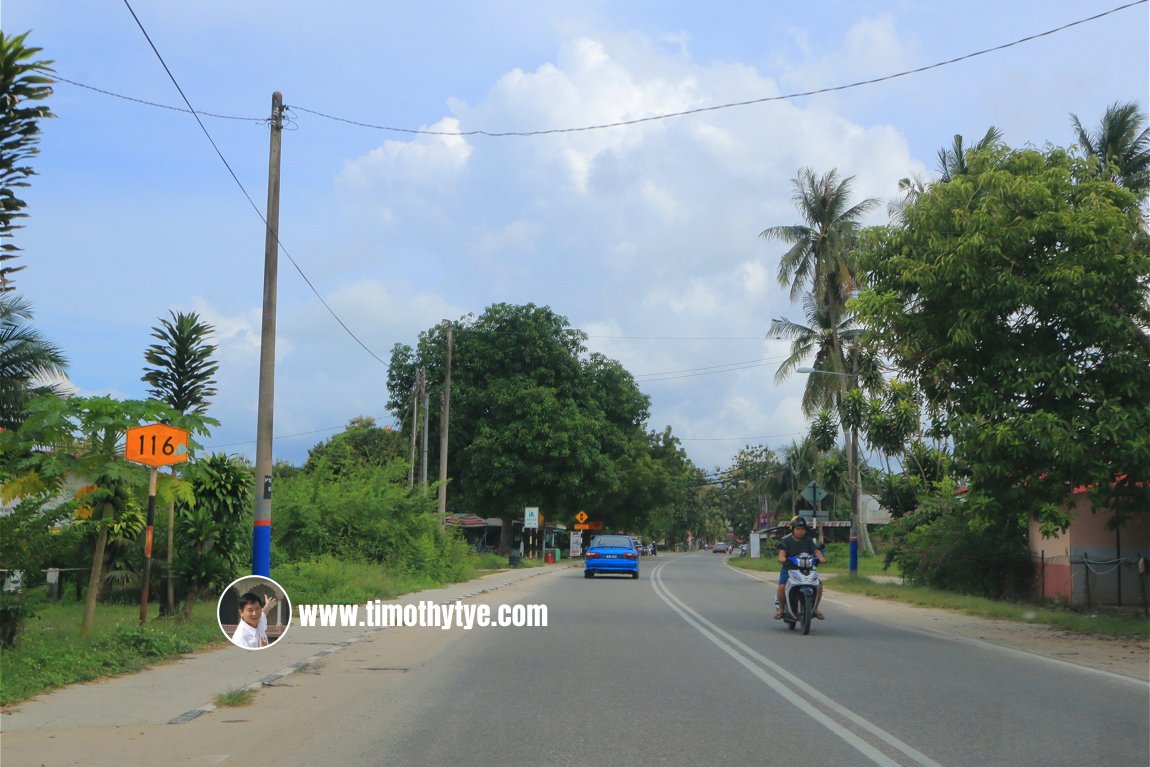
pixel 838 561
pixel 239 696
pixel 51 653
pixel 1098 623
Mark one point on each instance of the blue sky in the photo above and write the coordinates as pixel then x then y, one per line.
pixel 644 236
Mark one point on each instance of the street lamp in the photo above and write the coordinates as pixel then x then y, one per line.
pixel 852 471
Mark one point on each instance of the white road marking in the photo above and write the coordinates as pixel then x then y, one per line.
pixel 797 690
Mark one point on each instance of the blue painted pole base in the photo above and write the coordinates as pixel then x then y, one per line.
pixel 262 550
pixel 854 556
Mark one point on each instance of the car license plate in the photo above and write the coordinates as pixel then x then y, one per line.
pixel 612 556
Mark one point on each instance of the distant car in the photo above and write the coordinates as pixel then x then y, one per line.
pixel 719 548
pixel 611 554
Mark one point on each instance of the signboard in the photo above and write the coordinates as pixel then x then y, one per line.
pixel 531 518
pixel 576 544
pixel 156 444
pixel 581 517
pixel 812 494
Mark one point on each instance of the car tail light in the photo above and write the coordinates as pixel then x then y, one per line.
pixel 630 555
pixel 593 555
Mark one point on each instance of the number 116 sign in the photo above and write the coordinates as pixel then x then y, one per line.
pixel 156 444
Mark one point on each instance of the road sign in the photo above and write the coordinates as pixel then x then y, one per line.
pixel 531 518
pixel 581 517
pixel 809 496
pixel 156 444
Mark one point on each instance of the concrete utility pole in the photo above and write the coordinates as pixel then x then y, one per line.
pixel 419 374
pixel 445 420
pixel 426 397
pixel 262 522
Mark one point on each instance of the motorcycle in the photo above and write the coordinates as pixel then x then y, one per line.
pixel 801 592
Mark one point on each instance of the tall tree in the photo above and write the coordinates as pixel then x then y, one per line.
pixel 954 160
pixel 1014 296
pixel 1119 149
pixel 822 261
pixel 820 258
pixel 24 81
pixel 816 342
pixel 181 363
pixel 181 377
pixel 533 422
pixel 28 362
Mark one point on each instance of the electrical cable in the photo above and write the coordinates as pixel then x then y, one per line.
pixel 243 189
pixel 650 118
pixel 715 108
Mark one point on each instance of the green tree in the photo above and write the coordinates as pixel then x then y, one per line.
pixel 24 81
pixel 1119 149
pixel 954 161
pixel 86 437
pixel 28 361
pixel 214 540
pixel 360 444
pixel 820 259
pixel 1014 297
pixel 181 363
pixel 817 342
pixel 181 373
pixel 533 421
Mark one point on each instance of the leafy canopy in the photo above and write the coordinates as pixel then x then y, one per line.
pixel 1015 296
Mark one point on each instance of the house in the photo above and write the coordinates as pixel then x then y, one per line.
pixel 1092 563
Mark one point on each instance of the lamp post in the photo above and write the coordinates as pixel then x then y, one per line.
pixel 852 471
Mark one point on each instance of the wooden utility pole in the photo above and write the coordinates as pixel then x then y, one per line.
pixel 262 519
pixel 445 420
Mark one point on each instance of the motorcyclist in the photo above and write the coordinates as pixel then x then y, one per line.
pixel 798 542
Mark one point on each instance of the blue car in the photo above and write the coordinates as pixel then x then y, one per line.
pixel 611 554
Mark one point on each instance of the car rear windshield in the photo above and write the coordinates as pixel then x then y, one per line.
pixel 614 541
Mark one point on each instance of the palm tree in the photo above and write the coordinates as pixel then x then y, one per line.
pixel 820 259
pixel 28 361
pixel 1120 149
pixel 953 161
pixel 819 339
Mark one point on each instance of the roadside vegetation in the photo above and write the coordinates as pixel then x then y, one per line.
pixel 937 386
pixel 52 652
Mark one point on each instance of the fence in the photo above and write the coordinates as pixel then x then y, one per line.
pixel 1094 581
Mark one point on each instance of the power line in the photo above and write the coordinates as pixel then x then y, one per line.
pixel 263 120
pixel 244 190
pixel 731 105
pixel 621 123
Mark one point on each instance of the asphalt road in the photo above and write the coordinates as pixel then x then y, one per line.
pixel 681 667
pixel 686 667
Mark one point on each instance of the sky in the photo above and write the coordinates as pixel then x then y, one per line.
pixel 644 236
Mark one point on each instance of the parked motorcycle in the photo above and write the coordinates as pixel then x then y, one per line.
pixel 802 591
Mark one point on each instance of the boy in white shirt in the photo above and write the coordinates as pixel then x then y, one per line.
pixel 252 631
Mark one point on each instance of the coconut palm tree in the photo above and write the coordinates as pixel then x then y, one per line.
pixel 1121 150
pixel 820 340
pixel 820 259
pixel 953 161
pixel 28 362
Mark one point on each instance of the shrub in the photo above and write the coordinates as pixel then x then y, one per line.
pixel 960 543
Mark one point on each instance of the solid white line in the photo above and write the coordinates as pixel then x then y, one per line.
pixel 713 632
